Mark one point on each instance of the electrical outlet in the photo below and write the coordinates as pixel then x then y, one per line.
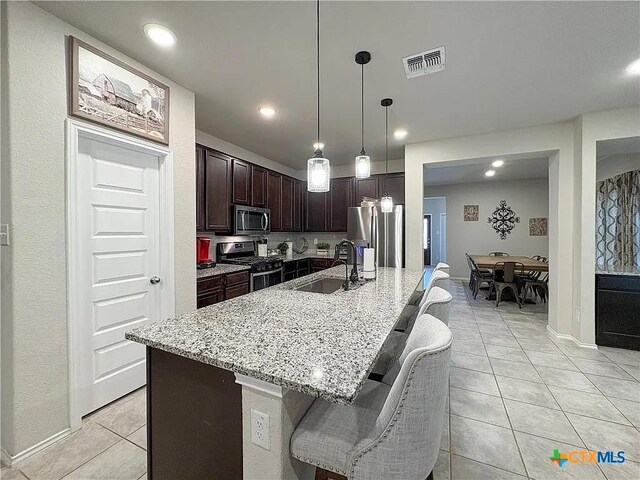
pixel 4 235
pixel 315 241
pixel 260 434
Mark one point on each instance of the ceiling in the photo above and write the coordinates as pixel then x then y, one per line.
pixel 617 146
pixel 508 65
pixel 516 167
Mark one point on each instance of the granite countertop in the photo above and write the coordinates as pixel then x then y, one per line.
pixel 220 269
pixel 632 271
pixel 303 256
pixel 319 344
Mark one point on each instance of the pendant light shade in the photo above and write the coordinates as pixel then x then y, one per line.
pixel 318 173
pixel 318 168
pixel 386 202
pixel 363 161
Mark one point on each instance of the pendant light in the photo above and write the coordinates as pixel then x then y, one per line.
pixel 318 169
pixel 363 161
pixel 386 202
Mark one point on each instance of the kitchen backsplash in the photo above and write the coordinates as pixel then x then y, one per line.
pixel 275 238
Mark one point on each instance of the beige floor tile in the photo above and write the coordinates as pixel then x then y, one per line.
pixel 472 380
pixel 613 387
pixel 124 418
pixel 602 435
pixel 442 469
pixel 123 461
pixel 594 405
pixel 621 471
pixel 69 453
pixel 478 406
pixel 9 473
pixel 466 469
pixel 139 437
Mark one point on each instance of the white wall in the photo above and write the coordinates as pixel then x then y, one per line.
pixel 436 207
pixel 34 308
pixel 528 199
pixel 554 141
pixel 613 165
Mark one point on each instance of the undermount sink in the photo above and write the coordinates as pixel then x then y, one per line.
pixel 322 285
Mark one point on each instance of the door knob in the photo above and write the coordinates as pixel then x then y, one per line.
pixel 154 280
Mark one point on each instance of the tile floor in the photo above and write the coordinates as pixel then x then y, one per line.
pixel 516 394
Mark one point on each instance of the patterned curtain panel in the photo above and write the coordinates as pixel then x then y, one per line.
pixel 618 221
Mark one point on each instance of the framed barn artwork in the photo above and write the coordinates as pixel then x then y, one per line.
pixel 105 90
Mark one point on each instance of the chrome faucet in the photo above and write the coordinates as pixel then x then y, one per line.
pixel 354 272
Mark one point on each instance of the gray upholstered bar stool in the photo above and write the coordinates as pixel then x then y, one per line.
pixel 417 295
pixel 438 278
pixel 442 266
pixel 392 430
pixel 438 304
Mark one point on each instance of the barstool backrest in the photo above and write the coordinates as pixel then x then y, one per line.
pixel 442 266
pixel 410 422
pixel 438 304
pixel 438 278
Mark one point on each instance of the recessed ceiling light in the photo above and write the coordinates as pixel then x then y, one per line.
pixel 160 35
pixel 634 67
pixel 318 146
pixel 489 173
pixel 267 111
pixel 497 163
pixel 400 134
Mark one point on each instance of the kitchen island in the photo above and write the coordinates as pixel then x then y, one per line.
pixel 272 351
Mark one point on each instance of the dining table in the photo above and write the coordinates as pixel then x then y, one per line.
pixel 489 261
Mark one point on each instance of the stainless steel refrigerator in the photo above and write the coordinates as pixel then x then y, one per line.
pixel 368 226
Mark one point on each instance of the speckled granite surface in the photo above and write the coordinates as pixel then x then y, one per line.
pixel 318 344
pixel 631 271
pixel 220 269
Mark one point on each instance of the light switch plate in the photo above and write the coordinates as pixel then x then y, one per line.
pixel 260 434
pixel 4 235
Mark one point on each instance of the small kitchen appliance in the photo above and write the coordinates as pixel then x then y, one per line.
pixel 251 220
pixel 263 271
pixel 203 245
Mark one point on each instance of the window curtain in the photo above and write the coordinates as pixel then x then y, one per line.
pixel 618 221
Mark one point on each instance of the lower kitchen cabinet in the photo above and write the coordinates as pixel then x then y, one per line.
pixel 218 288
pixel 618 311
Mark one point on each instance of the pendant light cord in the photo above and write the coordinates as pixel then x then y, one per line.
pixel 386 141
pixel 362 106
pixel 318 60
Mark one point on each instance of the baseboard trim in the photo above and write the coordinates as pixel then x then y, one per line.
pixel 10 460
pixel 563 336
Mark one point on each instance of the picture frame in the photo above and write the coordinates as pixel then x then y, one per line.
pixel 471 213
pixel 105 90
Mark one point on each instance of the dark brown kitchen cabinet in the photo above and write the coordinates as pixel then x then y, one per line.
pixel 315 218
pixel 258 186
pixel 218 288
pixel 340 199
pixel 241 193
pixel 298 198
pixel 287 204
pixel 200 200
pixel 217 191
pixel 394 185
pixel 318 264
pixel 274 200
pixel 365 187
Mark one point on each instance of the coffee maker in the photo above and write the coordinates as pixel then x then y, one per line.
pixel 203 245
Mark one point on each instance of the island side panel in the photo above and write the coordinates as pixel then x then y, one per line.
pixel 194 419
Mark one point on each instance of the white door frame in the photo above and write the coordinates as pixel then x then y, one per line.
pixel 74 130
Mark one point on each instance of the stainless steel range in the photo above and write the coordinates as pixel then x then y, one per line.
pixel 265 271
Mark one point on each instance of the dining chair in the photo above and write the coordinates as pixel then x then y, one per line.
pixel 478 276
pixel 506 280
pixel 538 284
pixel 393 429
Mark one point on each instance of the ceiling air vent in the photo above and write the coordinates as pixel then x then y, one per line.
pixel 424 63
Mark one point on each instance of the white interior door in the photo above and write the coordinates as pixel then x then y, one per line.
pixel 118 264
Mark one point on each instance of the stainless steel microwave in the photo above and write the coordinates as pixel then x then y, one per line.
pixel 251 220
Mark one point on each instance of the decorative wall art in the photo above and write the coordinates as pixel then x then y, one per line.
pixel 471 213
pixel 538 227
pixel 503 220
pixel 105 90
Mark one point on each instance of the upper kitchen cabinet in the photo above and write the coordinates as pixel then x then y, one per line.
pixel 274 200
pixel 258 186
pixel 340 199
pixel 200 199
pixel 287 204
pixel 315 218
pixel 394 185
pixel 365 187
pixel 298 199
pixel 217 168
pixel 241 193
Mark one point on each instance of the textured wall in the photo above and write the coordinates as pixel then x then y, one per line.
pixel 34 308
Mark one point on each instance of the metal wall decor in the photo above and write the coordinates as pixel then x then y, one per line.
pixel 503 220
